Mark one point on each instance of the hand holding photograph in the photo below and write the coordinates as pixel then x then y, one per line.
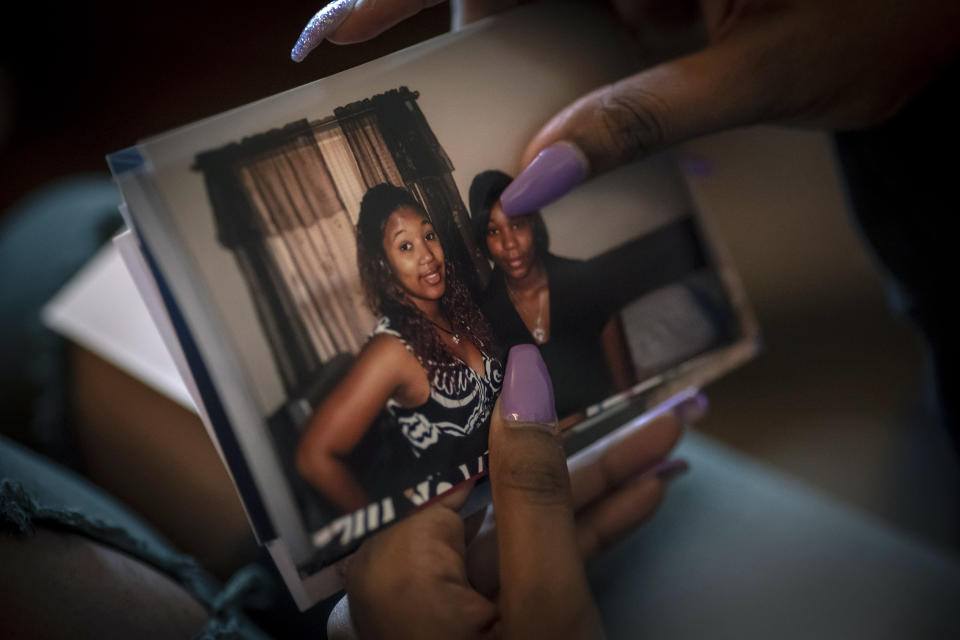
pixel 345 284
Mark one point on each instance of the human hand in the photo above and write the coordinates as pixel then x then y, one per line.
pixel 617 484
pixel 837 65
pixel 821 63
pixel 420 578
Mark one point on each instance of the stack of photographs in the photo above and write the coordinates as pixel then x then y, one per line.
pixel 291 246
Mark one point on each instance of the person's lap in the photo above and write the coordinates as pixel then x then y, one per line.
pixel 740 550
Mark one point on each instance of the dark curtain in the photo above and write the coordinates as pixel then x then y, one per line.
pixel 277 209
pixel 281 213
pixel 239 229
pixel 362 130
pixel 423 167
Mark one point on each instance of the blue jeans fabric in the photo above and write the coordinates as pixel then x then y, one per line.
pixel 44 240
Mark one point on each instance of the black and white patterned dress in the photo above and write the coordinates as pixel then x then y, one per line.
pixel 453 424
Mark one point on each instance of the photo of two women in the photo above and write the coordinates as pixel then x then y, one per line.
pixel 390 305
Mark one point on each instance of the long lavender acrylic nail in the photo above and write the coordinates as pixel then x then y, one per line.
pixel 320 26
pixel 527 390
pixel 555 171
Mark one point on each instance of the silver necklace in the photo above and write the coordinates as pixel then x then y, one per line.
pixel 539 333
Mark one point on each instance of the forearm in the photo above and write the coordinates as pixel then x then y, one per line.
pixel 331 477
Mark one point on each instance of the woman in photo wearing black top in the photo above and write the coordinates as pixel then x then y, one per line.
pixel 561 305
pixel 430 361
pixel 570 308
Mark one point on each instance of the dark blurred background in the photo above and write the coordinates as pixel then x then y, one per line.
pixel 79 80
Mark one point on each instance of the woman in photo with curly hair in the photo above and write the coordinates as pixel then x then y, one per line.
pixel 431 360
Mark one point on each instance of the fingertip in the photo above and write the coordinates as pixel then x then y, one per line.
pixel 369 18
pixel 320 27
pixel 687 407
pixel 301 50
pixel 303 47
pixel 456 497
pixel 527 396
pixel 693 409
pixel 555 171
pixel 527 460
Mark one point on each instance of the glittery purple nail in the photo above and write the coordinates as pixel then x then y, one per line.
pixel 320 26
pixel 527 390
pixel 555 171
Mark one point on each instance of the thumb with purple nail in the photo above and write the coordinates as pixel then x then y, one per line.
pixel 412 580
pixel 543 584
pixel 522 574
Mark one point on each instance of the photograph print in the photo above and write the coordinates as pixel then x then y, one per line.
pixel 357 252
pixel 350 244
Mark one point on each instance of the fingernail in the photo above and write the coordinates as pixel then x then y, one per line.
pixel 555 171
pixel 692 409
pixel 689 406
pixel 527 390
pixel 667 470
pixel 320 26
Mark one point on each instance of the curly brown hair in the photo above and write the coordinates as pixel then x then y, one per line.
pixel 386 297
